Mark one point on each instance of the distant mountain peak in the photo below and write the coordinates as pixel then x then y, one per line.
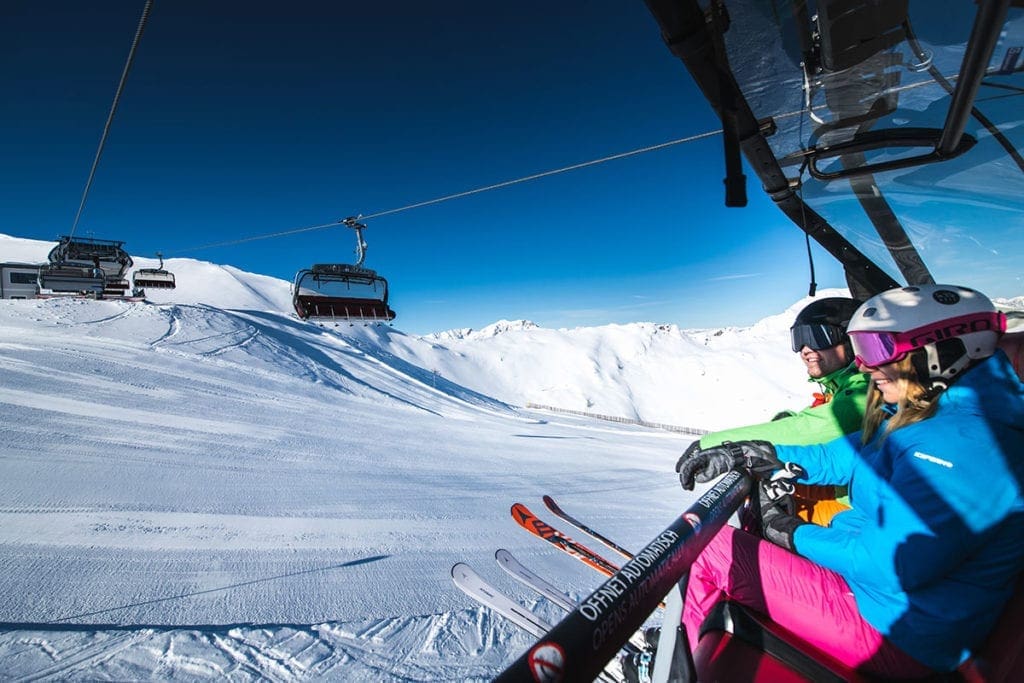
pixel 492 330
pixel 503 326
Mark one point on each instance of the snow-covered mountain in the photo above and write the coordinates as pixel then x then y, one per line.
pixel 646 371
pixel 205 487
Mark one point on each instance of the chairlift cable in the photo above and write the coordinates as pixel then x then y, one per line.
pixel 488 188
pixel 495 186
pixel 113 108
pixel 545 174
pixel 266 236
pixel 467 193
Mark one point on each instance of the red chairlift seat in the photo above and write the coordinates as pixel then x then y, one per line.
pixel 1012 344
pixel 343 309
pixel 739 644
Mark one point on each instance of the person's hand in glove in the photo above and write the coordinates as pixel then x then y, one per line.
pixel 701 465
pixel 778 521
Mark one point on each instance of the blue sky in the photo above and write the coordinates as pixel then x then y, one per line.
pixel 243 119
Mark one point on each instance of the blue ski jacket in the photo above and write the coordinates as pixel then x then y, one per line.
pixel 934 540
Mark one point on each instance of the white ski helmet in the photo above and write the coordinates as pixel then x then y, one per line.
pixel 953 325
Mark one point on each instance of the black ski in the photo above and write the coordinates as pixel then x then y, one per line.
pixel 562 514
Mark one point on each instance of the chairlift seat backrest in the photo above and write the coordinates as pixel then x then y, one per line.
pixel 66 278
pixel 345 272
pixel 153 278
pixel 86 249
pixel 343 269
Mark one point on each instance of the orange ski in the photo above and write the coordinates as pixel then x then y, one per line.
pixel 538 527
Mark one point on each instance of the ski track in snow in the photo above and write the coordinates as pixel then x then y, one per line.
pixel 369 650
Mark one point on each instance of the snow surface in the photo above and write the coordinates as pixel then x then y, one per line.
pixel 205 487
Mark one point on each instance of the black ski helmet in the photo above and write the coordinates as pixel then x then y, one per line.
pixel 822 324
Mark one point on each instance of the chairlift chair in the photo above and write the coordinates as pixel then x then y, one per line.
pixel 69 278
pixel 342 291
pixel 75 260
pixel 155 278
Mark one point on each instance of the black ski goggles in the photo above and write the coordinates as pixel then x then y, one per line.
pixel 816 336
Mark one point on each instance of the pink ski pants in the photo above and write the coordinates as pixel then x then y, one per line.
pixel 795 593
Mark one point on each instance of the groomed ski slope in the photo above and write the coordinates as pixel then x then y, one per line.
pixel 189 492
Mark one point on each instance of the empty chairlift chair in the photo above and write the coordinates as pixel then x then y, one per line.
pixel 68 278
pixel 342 291
pixel 81 264
pixel 154 278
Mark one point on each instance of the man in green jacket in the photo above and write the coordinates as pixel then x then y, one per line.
pixel 819 336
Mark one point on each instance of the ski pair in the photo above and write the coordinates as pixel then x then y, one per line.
pixel 476 587
pixel 538 527
pixel 521 573
pixel 562 514
pixel 473 585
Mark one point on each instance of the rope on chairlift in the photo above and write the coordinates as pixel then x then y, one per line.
pixel 113 108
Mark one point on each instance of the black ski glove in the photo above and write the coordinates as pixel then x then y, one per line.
pixel 702 465
pixel 688 453
pixel 778 521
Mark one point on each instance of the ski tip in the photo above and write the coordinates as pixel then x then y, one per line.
pixel 460 569
pixel 504 558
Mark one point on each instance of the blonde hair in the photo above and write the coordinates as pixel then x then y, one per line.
pixel 916 402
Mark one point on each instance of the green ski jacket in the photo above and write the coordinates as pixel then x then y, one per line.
pixel 842 414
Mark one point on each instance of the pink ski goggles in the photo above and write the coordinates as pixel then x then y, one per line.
pixel 878 348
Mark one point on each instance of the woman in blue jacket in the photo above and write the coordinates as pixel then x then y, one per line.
pixel 911 579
